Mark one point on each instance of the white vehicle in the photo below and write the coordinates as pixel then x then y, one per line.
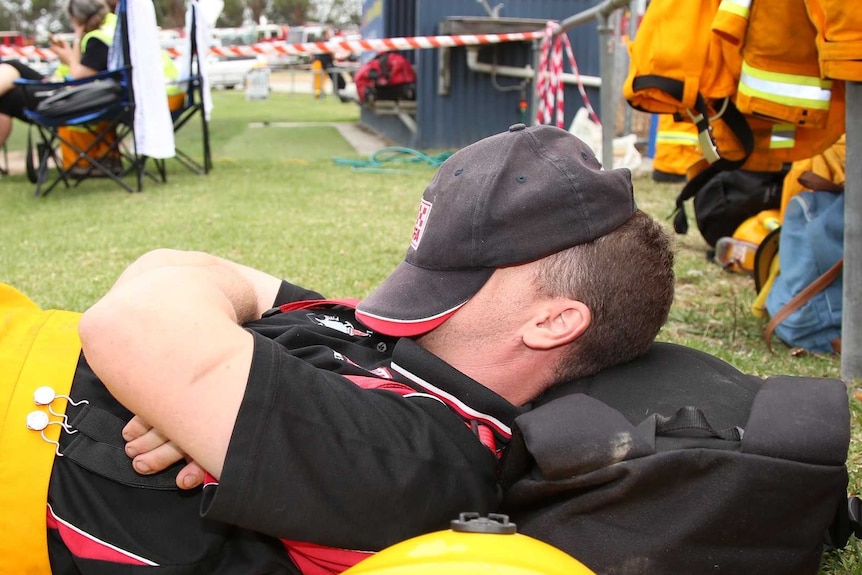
pixel 230 73
pixel 302 35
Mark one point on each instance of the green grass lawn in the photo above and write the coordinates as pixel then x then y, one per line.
pixel 276 200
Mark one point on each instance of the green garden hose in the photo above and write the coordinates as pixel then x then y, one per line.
pixel 379 161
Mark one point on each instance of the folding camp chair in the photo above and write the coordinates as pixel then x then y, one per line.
pixel 193 79
pixel 106 123
pixel 114 147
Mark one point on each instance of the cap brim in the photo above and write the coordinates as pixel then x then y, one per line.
pixel 413 300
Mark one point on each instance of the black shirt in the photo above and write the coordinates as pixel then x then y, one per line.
pixel 316 457
pixel 344 439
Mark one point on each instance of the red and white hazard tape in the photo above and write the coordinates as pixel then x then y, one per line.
pixel 26 52
pixel 266 48
pixel 549 88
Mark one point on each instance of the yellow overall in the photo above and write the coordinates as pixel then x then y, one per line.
pixel 37 348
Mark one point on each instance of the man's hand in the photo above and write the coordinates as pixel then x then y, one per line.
pixel 151 452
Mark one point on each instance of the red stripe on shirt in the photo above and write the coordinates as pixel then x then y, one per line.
pixel 86 546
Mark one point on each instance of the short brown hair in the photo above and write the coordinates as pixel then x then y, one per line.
pixel 626 278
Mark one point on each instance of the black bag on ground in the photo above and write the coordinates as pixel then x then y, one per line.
pixel 679 463
pixel 730 198
pixel 726 199
pixel 73 101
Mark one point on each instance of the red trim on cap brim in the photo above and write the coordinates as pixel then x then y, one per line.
pixel 403 328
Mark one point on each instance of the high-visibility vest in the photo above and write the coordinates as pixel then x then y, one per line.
pixel 105 33
pixel 779 77
pixel 81 134
pixel 176 91
pixel 839 38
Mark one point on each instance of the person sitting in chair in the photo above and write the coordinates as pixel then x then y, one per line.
pixel 93 24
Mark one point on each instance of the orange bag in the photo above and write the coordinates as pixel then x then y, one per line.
pixel 83 139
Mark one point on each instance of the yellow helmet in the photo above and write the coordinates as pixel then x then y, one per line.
pixel 738 253
pixel 473 546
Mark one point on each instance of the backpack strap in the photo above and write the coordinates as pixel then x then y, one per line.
pixel 800 299
pixel 814 181
pixel 384 65
pixel 692 421
pixel 737 123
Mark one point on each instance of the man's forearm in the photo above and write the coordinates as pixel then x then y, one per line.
pixel 167 343
pixel 265 286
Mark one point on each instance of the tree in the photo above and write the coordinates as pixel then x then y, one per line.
pixel 340 13
pixel 33 17
pixel 257 8
pixel 293 12
pixel 231 15
pixel 170 13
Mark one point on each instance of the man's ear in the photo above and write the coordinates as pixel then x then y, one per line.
pixel 557 322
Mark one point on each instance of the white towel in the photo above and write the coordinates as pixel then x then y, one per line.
pixel 203 46
pixel 154 129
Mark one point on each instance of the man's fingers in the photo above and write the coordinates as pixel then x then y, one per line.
pixel 146 442
pixel 157 459
pixel 135 428
pixel 190 476
pixel 152 452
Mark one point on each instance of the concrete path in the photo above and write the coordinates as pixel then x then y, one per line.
pixel 363 140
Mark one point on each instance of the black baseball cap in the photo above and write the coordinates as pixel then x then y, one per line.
pixel 505 200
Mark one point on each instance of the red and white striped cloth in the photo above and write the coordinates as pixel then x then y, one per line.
pixel 550 88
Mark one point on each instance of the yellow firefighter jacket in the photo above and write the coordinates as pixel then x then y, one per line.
pixel 676 148
pixel 745 72
pixel 839 38
pixel 779 77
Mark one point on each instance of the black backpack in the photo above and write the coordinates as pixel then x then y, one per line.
pixel 678 463
pixel 726 199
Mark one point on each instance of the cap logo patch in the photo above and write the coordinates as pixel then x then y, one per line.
pixel 419 226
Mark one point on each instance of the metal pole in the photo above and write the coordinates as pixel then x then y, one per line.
pixel 608 114
pixel 851 320
pixel 633 26
pixel 585 16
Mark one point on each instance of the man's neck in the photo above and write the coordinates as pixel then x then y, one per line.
pixel 515 373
